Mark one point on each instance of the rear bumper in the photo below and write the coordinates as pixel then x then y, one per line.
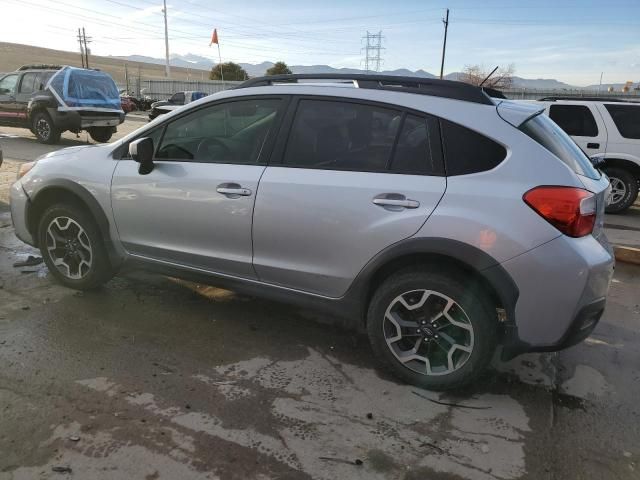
pixel 74 121
pixel 563 285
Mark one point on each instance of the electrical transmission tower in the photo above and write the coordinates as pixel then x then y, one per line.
pixel 372 49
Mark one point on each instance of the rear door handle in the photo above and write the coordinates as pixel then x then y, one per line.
pixel 394 201
pixel 233 190
pixel 593 145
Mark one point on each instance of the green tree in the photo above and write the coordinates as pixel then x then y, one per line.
pixel 280 68
pixel 230 71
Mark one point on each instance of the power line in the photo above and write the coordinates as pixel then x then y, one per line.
pixel 372 59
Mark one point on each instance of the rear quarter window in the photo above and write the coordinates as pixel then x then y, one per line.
pixel 466 151
pixel 626 119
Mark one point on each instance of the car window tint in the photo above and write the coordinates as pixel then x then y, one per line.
pixel 626 118
pixel 466 151
pixel 574 119
pixel 341 136
pixel 8 84
pixel 27 83
pixel 233 132
pixel 418 150
pixel 177 97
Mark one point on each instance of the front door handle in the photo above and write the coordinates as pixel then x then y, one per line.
pixel 394 201
pixel 593 145
pixel 233 190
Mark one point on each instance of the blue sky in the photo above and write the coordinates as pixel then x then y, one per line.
pixel 572 41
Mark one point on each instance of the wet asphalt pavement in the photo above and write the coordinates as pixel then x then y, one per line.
pixel 152 378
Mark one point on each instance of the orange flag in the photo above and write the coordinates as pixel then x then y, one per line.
pixel 214 37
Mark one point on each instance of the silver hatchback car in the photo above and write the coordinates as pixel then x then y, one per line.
pixel 442 222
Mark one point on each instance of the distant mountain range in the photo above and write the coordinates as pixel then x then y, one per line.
pixel 197 62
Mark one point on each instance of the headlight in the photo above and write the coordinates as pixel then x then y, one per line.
pixel 24 169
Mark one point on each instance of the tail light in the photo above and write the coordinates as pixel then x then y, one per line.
pixel 571 210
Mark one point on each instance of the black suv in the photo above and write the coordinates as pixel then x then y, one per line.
pixel 50 99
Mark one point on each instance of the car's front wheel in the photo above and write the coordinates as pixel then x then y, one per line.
pixel 72 247
pixel 624 189
pixel 434 330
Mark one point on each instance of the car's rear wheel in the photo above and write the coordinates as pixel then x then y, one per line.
pixel 101 134
pixel 44 129
pixel 434 330
pixel 624 189
pixel 72 247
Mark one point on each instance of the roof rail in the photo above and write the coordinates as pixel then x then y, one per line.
pixel 39 67
pixel 591 99
pixel 424 86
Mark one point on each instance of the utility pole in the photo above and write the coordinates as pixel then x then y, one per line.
pixel 372 58
pixel 444 44
pixel 81 47
pixel 86 50
pixel 126 78
pixel 167 68
pixel 600 86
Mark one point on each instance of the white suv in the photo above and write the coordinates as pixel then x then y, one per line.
pixel 609 132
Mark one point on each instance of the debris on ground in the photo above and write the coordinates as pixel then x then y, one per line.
pixel 74 438
pixel 369 416
pixel 61 469
pixel 357 461
pixel 31 261
pixel 448 404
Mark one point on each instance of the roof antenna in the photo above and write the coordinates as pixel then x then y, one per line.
pixel 489 76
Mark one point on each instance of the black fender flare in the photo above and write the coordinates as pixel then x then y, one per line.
pixel 472 257
pixel 89 202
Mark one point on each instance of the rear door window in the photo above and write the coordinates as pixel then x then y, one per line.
pixel 548 134
pixel 576 120
pixel 27 83
pixel 419 150
pixel 466 151
pixel 339 135
pixel 626 119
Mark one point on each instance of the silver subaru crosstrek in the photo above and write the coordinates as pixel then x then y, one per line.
pixel 442 222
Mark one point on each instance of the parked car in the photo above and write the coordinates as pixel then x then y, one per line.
pixel 52 99
pixel 177 99
pixel 439 221
pixel 128 103
pixel 609 132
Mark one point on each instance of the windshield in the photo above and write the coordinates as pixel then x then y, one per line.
pixel 548 134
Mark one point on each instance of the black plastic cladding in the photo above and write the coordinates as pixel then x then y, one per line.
pixel 424 86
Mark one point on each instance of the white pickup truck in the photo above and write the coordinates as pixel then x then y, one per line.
pixel 608 131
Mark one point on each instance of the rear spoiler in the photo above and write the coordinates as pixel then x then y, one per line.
pixel 517 114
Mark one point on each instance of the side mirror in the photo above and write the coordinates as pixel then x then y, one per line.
pixel 141 150
pixel 597 161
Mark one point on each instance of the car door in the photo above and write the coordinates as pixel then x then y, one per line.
pixel 352 179
pixel 25 90
pixel 195 207
pixel 584 124
pixel 8 113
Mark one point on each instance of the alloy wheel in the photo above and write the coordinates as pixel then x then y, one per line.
pixel 43 128
pixel 69 247
pixel 618 190
pixel 428 332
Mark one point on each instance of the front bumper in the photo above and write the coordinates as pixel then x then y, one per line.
pixel 19 202
pixel 563 285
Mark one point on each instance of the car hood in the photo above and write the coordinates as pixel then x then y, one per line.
pixel 66 151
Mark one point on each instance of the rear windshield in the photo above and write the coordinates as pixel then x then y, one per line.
pixel 626 118
pixel 548 134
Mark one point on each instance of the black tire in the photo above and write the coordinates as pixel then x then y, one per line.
pixel 44 129
pixel 101 134
pixel 99 271
pixel 473 300
pixel 630 183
